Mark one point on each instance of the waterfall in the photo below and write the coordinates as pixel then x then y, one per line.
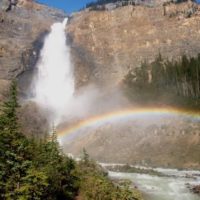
pixel 54 84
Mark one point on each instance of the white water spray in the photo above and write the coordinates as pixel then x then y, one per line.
pixel 54 86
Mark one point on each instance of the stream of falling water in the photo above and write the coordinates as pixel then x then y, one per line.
pixel 54 84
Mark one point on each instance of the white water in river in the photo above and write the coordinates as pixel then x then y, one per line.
pixel 54 85
pixel 163 188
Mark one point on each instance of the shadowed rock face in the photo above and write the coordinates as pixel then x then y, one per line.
pixel 21 33
pixel 106 44
pixel 33 120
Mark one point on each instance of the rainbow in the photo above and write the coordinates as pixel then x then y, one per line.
pixel 126 114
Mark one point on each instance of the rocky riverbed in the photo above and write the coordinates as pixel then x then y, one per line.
pixel 176 184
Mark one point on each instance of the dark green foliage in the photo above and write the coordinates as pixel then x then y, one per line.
pixel 33 185
pixel 32 169
pixel 176 81
pixel 95 184
pixel 130 169
pixel 181 1
pixel 14 159
pixel 100 4
pixel 9 119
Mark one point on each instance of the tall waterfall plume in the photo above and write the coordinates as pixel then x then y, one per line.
pixel 54 84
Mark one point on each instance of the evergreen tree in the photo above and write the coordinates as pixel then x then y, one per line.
pixel 8 120
pixel 33 186
pixel 14 148
pixel 37 170
pixel 176 79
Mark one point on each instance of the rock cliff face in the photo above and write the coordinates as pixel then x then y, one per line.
pixel 21 31
pixel 106 44
pixel 23 26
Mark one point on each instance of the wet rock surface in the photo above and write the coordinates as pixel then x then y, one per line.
pixel 194 188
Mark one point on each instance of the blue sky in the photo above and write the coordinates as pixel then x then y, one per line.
pixel 67 5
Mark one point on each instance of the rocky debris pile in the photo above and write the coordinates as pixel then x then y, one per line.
pixel 194 188
pixel 183 10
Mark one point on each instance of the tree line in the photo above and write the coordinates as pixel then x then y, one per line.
pixel 180 79
pixel 100 4
pixel 37 169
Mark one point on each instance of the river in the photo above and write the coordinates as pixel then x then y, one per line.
pixel 171 187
